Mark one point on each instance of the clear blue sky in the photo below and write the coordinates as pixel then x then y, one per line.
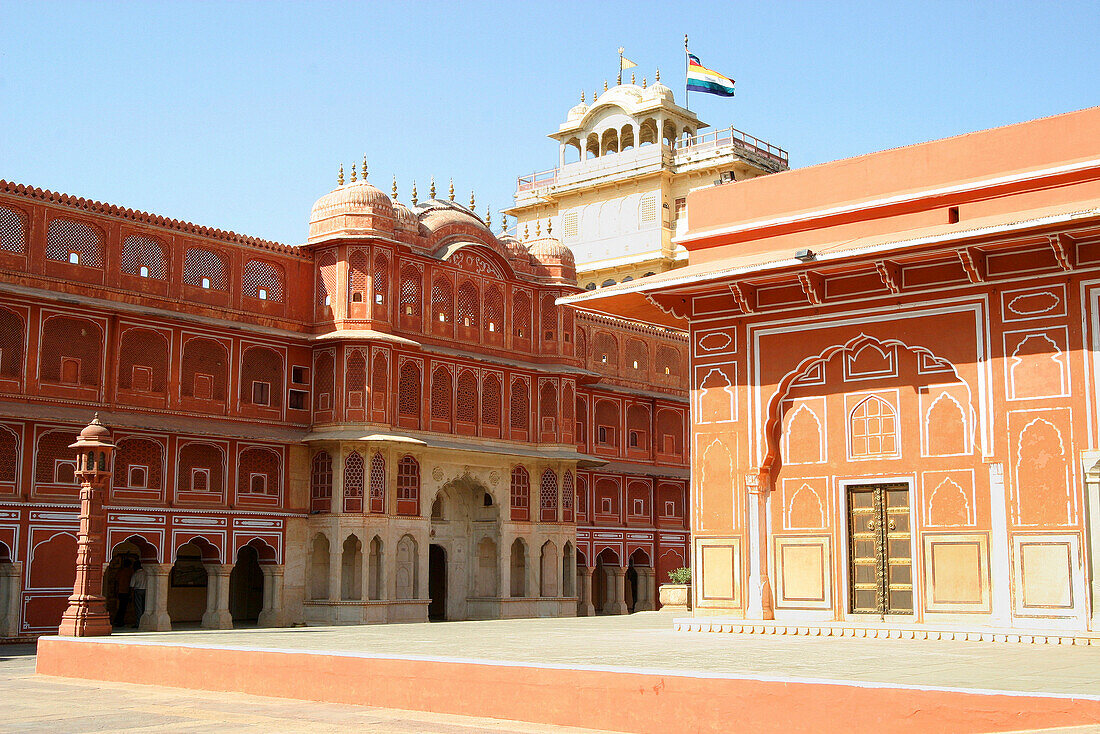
pixel 236 115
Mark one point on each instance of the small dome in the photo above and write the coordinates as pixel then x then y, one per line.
pixel 660 91
pixel 438 213
pixel 93 434
pixel 514 248
pixel 405 218
pixel 351 209
pixel 577 112
pixel 550 251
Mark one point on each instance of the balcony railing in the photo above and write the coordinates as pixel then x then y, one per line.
pixel 729 136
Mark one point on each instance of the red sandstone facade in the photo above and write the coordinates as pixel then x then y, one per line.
pixel 394 413
pixel 894 384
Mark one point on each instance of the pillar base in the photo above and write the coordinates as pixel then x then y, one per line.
pixel 155 622
pixel 222 620
pixel 587 610
pixel 274 618
pixel 86 618
pixel 615 607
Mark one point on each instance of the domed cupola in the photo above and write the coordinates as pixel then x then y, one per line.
pixel 660 91
pixel 405 219
pixel 552 258
pixel 352 209
pixel 578 111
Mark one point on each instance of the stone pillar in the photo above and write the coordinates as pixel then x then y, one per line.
pixel 760 604
pixel 644 602
pixel 504 565
pixel 1000 572
pixel 585 607
pixel 272 613
pixel 86 615
pixel 616 590
pixel 10 576
pixel 217 597
pixel 335 564
pixel 155 618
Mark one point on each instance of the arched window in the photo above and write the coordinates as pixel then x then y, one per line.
pixel 567 493
pixel 548 407
pixel 143 361
pixel 263 281
pixel 327 281
pixel 668 362
pixel 324 381
pixel 357 276
pixel 74 242
pixel 380 285
pixel 379 382
pixel 12 335
pixel 549 318
pixel 408 396
pixel 637 427
pixel 72 351
pixel 607 423
pixel 205 370
pixel 377 483
pixel 490 400
pixel 494 311
pixel 139 464
pixel 521 316
pixel 354 478
pixel 442 391
pixel 200 469
pixel 411 290
pixel 54 460
pixel 520 411
pixel 355 380
pixel 143 257
pixel 13 231
pixel 204 269
pixel 605 350
pixel 637 357
pixel 548 497
pixel 874 428
pixel 320 482
pixel 520 492
pixel 443 301
pixel 469 305
pixel 408 486
pixel 467 397
pixel 258 472
pixel 262 377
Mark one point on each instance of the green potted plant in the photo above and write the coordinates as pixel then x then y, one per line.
pixel 676 595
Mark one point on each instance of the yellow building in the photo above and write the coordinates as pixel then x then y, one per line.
pixel 625 166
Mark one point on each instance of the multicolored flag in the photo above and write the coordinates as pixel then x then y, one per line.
pixel 702 79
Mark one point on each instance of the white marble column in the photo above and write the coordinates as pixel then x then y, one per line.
pixel 217 614
pixel 10 575
pixel 272 613
pixel 155 618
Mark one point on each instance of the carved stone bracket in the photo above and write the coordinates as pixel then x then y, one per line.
pixel 813 285
pixel 890 272
pixel 973 263
pixel 745 296
pixel 1065 251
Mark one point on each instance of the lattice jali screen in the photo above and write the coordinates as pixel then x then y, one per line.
pixel 494 310
pixel 143 361
pixel 548 401
pixel 442 391
pixel 139 452
pixel 54 460
pixel 377 483
pixel 356 378
pixel 143 256
pixel 520 489
pixel 582 495
pixel 9 455
pixel 411 291
pixel 605 350
pixel 259 472
pixel 320 481
pixel 208 460
pixel 263 280
pixel 668 361
pixel 379 384
pixel 205 370
pixel 568 404
pixel 260 364
pixel 72 351
pixel 521 316
pixel 12 336
pixel 520 414
pixel 548 491
pixel 324 382
pixel 357 276
pixel 13 231
pixel 327 279
pixel 69 241
pixel 490 400
pixel 466 407
pixel 381 283
pixel 205 269
pixel 408 479
pixel 670 431
pixel 443 302
pixel 567 491
pixel 549 318
pixel 408 396
pixel 354 475
pixel 637 355
pixel 567 322
pixel 468 305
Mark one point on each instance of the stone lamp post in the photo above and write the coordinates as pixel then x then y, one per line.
pixel 86 615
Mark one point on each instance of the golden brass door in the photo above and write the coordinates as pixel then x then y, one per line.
pixel 879 549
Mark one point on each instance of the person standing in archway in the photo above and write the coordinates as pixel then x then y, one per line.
pixel 122 590
pixel 139 582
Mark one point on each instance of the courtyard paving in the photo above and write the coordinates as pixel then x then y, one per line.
pixel 647 642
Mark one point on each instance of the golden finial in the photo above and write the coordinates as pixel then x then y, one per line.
pixel 658 73
pixel 549 226
pixel 525 235
pixel 605 85
pixel 643 82
pixel 394 197
pixel 632 78
pixel 340 178
pixel 472 207
pixel 594 95
pixel 364 168
pixel 582 95
pixel 503 223
pixel 451 192
pixel 488 217
pixel 414 194
pixel 538 228
pixel 353 173
pixel 431 189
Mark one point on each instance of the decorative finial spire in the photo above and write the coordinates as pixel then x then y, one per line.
pixel 340 178
pixel 431 189
pixel 472 206
pixel 594 96
pixel 605 85
pixel 364 168
pixel 538 228
pixel 632 78
pixel 582 95
pixel 488 217
pixel 353 173
pixel 503 223
pixel 644 83
pixel 525 235
pixel 451 191
pixel 394 197
pixel 549 226
pixel 414 194
pixel 658 73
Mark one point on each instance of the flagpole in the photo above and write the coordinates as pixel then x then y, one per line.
pixel 686 66
pixel 620 81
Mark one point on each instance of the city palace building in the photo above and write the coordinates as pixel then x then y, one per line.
pixel 894 384
pixel 393 421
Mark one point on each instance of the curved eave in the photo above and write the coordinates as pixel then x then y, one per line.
pixel 633 305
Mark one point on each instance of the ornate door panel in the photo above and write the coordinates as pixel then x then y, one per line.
pixel 879 549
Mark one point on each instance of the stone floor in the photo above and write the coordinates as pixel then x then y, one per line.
pixel 646 641
pixel 33 703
